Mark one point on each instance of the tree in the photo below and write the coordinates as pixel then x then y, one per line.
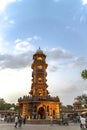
pixel 2 104
pixel 69 106
pixel 6 106
pixel 84 74
pixel 82 99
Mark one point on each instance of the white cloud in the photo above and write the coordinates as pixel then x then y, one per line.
pixel 3 45
pixel 11 21
pixel 17 56
pixel 71 90
pixel 6 19
pixel 84 2
pixel 58 53
pixel 36 37
pixel 1 38
pixel 78 62
pixel 4 4
pixel 19 0
pixel 22 46
pixel 29 39
pixel 17 40
pixel 12 82
pixel 15 75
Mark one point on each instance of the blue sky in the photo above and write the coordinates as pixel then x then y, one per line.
pixel 59 27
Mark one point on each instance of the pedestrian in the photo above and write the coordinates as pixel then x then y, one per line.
pixel 20 120
pixel 16 121
pixel 24 120
pixel 51 120
pixel 82 122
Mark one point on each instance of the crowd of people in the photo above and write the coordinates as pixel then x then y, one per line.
pixel 65 120
pixel 17 119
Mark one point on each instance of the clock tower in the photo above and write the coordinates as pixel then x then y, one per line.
pixel 39 104
pixel 39 66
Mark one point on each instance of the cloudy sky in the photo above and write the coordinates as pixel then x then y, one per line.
pixel 59 27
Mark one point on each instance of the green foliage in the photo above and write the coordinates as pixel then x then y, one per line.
pixel 82 99
pixel 5 106
pixel 84 74
pixel 69 106
pixel 2 104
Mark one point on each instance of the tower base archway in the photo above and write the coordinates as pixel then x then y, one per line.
pixel 41 113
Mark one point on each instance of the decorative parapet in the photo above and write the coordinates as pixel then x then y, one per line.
pixel 38 98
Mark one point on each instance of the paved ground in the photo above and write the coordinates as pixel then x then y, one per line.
pixel 8 126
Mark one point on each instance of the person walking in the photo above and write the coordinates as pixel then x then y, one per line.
pixel 82 122
pixel 16 121
pixel 51 120
pixel 20 120
pixel 24 120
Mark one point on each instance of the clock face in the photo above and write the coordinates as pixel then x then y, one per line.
pixel 39 58
pixel 40 67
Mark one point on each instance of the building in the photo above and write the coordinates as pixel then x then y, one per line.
pixel 39 104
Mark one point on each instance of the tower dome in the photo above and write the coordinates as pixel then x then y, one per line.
pixel 39 51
